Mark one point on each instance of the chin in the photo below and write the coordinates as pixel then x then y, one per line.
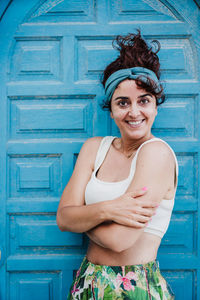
pixel 140 134
pixel 136 135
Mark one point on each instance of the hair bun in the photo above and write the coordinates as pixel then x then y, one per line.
pixel 134 51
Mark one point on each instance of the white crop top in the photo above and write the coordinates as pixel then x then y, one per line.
pixel 98 190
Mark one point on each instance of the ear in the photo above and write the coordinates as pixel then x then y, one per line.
pixel 111 115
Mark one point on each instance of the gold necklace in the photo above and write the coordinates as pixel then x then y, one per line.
pixel 118 148
pixel 128 156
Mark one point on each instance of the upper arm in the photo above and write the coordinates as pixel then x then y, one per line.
pixel 74 192
pixel 155 170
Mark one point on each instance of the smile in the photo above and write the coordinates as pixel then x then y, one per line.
pixel 135 123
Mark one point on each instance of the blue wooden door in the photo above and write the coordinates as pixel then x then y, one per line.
pixel 52 54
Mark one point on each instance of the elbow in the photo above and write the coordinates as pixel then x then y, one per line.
pixel 116 240
pixel 118 248
pixel 63 225
pixel 60 223
pixel 62 228
pixel 117 245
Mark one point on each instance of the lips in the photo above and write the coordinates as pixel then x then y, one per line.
pixel 134 124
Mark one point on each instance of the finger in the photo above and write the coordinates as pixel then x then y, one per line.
pixel 136 224
pixel 138 193
pixel 149 204
pixel 131 222
pixel 135 220
pixel 143 219
pixel 145 212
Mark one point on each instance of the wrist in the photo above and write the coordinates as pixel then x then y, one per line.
pixel 105 211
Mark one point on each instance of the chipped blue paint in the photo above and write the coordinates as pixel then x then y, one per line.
pixel 166 9
pixel 44 8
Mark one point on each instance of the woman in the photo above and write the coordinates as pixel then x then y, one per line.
pixel 122 190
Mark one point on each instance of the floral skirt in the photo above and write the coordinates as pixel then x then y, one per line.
pixel 140 282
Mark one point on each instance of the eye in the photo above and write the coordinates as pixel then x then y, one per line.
pixel 144 101
pixel 123 103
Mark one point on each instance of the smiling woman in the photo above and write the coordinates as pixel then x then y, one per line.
pixel 133 108
pixel 122 190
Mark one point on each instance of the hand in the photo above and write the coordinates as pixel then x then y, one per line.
pixel 130 210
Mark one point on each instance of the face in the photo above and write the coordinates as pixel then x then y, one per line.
pixel 133 110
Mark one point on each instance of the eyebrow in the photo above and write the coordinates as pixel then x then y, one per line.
pixel 122 98
pixel 126 98
pixel 141 96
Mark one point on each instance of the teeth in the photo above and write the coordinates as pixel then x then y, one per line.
pixel 135 123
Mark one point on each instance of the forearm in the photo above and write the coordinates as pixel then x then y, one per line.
pixel 124 210
pixel 114 236
pixel 97 235
pixel 81 218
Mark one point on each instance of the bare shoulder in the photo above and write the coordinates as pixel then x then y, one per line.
pixel 89 150
pixel 155 169
pixel 157 152
pixel 91 145
pixel 93 142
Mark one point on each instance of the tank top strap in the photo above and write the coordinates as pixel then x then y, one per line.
pixel 133 165
pixel 102 151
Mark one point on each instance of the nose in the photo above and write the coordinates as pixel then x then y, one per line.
pixel 134 110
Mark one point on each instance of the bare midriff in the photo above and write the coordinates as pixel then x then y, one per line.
pixel 143 251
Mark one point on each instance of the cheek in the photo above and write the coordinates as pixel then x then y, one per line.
pixel 152 112
pixel 118 114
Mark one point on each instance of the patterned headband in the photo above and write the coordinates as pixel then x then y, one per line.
pixel 140 73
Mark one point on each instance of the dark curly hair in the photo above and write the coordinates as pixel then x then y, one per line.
pixel 134 52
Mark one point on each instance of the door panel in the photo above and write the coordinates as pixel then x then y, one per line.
pixel 52 57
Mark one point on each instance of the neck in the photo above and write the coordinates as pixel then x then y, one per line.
pixel 128 146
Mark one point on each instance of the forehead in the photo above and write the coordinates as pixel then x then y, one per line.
pixel 128 86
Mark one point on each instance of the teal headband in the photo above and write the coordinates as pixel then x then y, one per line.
pixel 140 73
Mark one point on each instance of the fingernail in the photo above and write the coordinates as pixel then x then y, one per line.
pixel 144 188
